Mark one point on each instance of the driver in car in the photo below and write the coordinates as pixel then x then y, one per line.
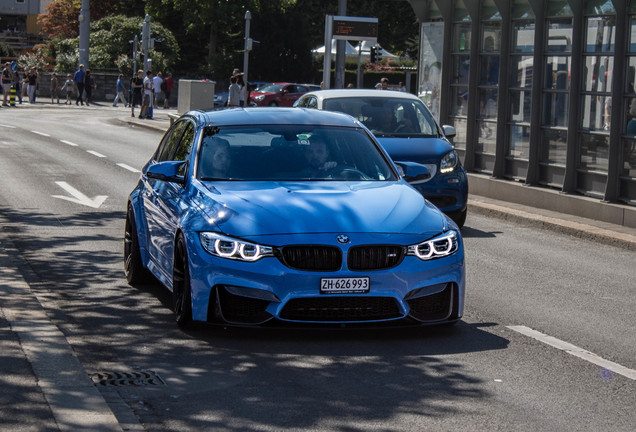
pixel 317 157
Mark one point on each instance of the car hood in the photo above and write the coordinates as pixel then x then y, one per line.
pixel 421 150
pixel 246 209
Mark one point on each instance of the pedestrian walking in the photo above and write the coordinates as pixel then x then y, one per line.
pixel 119 89
pixel 79 83
pixel 89 86
pixel 243 90
pixel 234 97
pixel 157 82
pixel 168 83
pixel 68 86
pixel 136 86
pixel 7 79
pixel 32 82
pixel 17 85
pixel 54 89
pixel 147 97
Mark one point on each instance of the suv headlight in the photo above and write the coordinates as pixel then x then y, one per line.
pixel 231 248
pixel 443 245
pixel 449 162
pixel 259 98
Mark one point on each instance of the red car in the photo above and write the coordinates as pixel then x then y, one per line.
pixel 279 94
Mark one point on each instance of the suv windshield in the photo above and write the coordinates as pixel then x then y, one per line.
pixel 386 116
pixel 291 152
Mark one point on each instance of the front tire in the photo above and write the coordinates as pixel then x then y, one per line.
pixel 136 274
pixel 459 217
pixel 181 294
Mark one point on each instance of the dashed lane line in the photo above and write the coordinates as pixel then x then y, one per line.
pixel 575 351
pixel 72 144
pixel 41 133
pixel 94 153
pixel 128 167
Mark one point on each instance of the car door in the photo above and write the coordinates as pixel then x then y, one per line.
pixel 292 93
pixel 157 193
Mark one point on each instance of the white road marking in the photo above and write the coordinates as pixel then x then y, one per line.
pixel 128 167
pixel 94 153
pixel 41 133
pixel 575 351
pixel 79 197
pixel 7 126
pixel 72 144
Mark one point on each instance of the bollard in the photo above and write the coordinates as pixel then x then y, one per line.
pixel 12 96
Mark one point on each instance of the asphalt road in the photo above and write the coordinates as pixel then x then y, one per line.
pixel 548 340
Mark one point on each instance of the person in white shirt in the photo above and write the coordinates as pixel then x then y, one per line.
pixel 234 97
pixel 146 101
pixel 156 83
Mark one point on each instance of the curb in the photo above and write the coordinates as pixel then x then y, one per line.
pixel 575 228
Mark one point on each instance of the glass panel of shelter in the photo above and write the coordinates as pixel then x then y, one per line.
pixel 460 68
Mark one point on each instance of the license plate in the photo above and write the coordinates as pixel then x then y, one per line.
pixel 344 285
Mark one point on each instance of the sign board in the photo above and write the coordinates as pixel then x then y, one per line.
pixel 355 28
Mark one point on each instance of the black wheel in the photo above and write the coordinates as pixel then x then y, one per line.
pixel 181 285
pixel 136 274
pixel 459 217
pixel 273 104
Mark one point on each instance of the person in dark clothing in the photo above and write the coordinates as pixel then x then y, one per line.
pixel 136 85
pixel 89 85
pixel 79 82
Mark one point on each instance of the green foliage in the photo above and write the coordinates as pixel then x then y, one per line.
pixel 6 51
pixel 110 38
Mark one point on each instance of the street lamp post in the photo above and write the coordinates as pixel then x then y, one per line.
pixel 246 53
pixel 84 19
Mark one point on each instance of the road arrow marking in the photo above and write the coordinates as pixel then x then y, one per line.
pixel 78 197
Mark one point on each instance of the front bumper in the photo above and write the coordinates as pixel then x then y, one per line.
pixel 267 291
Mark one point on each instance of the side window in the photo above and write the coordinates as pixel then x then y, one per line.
pixel 170 142
pixel 302 102
pixel 312 103
pixel 185 147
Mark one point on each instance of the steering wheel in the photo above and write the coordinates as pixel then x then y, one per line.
pixel 346 173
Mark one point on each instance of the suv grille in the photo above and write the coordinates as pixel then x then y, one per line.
pixel 327 309
pixel 376 257
pixel 312 258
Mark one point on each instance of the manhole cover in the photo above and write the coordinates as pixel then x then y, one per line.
pixel 140 378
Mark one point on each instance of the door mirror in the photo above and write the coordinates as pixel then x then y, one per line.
pixel 169 171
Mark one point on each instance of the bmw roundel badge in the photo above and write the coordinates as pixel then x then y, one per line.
pixel 343 239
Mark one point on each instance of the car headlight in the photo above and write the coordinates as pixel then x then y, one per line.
pixel 438 247
pixel 259 98
pixel 231 248
pixel 449 162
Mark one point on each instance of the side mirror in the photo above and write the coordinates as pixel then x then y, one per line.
pixel 449 131
pixel 169 171
pixel 413 172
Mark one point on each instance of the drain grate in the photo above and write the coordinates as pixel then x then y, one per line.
pixel 140 378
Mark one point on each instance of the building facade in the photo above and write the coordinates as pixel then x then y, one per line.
pixel 540 91
pixel 20 16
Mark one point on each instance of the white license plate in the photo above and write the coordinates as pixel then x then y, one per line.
pixel 344 285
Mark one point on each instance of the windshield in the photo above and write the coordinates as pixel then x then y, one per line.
pixel 291 152
pixel 270 88
pixel 386 116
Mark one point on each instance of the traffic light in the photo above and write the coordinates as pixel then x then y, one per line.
pixel 378 53
pixel 373 55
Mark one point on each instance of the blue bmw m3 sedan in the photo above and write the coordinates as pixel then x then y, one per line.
pixel 266 216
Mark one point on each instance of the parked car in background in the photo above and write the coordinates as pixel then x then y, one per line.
pixel 408 132
pixel 220 99
pixel 278 94
pixel 262 216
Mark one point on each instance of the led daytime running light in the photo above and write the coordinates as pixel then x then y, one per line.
pixel 438 247
pixel 228 247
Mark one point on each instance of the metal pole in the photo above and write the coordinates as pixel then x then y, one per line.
pixel 84 31
pixel 340 50
pixel 135 46
pixel 326 64
pixel 246 53
pixel 359 75
pixel 145 41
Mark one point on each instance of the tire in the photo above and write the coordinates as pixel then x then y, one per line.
pixel 136 274
pixel 273 104
pixel 181 294
pixel 459 217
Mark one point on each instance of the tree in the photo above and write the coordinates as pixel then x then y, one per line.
pixel 110 38
pixel 61 19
